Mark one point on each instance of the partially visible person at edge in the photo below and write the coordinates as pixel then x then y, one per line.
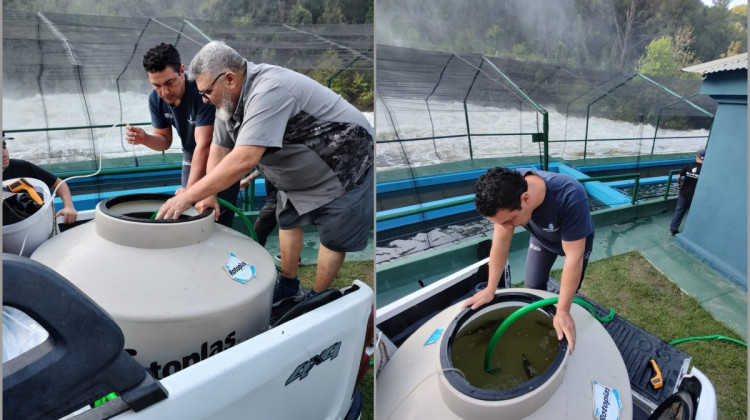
pixel 17 168
pixel 312 145
pixel 175 101
pixel 554 209
pixel 686 181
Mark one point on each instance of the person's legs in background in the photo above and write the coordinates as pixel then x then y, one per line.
pixel 683 204
pixel 266 221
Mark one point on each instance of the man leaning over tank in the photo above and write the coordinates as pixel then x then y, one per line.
pixel 175 101
pixel 554 209
pixel 316 148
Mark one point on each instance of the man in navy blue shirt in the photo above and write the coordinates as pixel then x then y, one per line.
pixel 554 209
pixel 176 102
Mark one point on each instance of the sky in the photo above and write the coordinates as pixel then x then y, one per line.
pixel 731 3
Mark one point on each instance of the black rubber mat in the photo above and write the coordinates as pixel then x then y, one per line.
pixel 637 347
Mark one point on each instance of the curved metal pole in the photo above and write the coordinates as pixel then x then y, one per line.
pixel 588 112
pixel 117 80
pixel 466 110
pixel 545 118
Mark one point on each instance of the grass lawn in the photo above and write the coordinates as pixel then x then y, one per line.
pixel 364 271
pixel 644 296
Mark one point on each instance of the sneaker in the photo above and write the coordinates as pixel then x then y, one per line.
pixel 283 294
pixel 672 233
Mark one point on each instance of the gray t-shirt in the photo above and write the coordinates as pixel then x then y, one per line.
pixel 318 146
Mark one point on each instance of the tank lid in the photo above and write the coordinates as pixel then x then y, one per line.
pixel 126 220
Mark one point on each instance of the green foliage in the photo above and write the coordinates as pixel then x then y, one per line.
pixel 356 87
pixel 300 15
pixel 519 50
pixel 659 59
pixel 334 15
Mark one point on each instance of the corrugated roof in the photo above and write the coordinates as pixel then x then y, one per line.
pixel 735 62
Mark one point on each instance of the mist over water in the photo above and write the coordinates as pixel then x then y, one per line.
pixel 424 24
pixel 67 110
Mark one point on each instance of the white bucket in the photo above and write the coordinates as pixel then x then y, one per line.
pixel 33 230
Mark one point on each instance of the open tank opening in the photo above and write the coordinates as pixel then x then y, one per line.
pixel 525 358
pixel 143 208
pixel 525 351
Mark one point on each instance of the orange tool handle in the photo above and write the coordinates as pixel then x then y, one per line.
pixel 656 381
pixel 23 185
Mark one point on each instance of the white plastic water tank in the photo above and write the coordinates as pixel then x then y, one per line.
pixel 23 237
pixel 165 282
pixel 420 382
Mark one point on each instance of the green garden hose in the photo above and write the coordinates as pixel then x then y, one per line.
pixel 708 337
pixel 531 307
pixel 240 213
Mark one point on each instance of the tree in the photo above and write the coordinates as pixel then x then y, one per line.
pixel 660 59
pixel 734 49
pixel 334 15
pixel 682 46
pixel 722 4
pixel 300 15
pixel 629 24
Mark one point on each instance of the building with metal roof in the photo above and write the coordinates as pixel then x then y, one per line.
pixel 716 227
pixel 735 62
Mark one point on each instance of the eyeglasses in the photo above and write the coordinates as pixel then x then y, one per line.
pixel 205 93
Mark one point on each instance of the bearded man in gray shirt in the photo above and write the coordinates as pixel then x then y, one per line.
pixel 315 147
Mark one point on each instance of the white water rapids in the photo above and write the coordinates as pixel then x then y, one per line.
pixel 413 121
pixel 67 110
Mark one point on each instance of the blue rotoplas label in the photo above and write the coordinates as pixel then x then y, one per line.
pixel 239 270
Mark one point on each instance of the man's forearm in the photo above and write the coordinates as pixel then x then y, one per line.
pixel 571 277
pixel 198 167
pixel 234 166
pixel 156 142
pixel 63 191
pixel 501 240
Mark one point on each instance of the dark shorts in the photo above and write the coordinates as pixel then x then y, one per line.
pixel 344 224
pixel 539 261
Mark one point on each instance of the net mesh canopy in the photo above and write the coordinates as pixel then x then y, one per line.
pixel 67 79
pixel 436 107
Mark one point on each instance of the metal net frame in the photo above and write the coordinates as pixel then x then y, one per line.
pixel 70 82
pixel 436 107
